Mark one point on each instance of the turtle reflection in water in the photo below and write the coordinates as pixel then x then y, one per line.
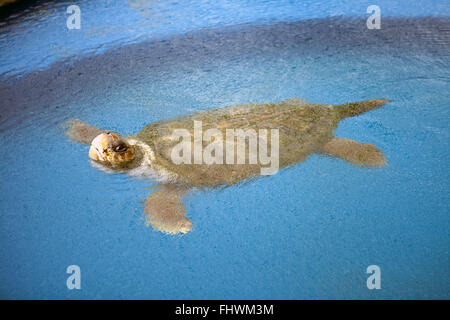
pixel 303 129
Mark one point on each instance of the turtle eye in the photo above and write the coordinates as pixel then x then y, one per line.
pixel 119 146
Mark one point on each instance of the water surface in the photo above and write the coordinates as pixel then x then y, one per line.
pixel 307 232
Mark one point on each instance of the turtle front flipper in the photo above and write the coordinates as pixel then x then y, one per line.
pixel 81 132
pixel 165 210
pixel 361 154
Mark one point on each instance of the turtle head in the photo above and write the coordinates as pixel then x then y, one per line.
pixel 110 149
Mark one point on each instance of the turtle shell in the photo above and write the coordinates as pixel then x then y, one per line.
pixel 302 128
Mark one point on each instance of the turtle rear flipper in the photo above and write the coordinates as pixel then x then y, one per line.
pixel 364 155
pixel 354 108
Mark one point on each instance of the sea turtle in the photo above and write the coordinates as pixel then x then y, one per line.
pixel 302 128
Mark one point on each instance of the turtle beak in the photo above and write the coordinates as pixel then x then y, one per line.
pixel 99 147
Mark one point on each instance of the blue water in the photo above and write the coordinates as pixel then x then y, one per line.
pixel 305 233
pixel 40 37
